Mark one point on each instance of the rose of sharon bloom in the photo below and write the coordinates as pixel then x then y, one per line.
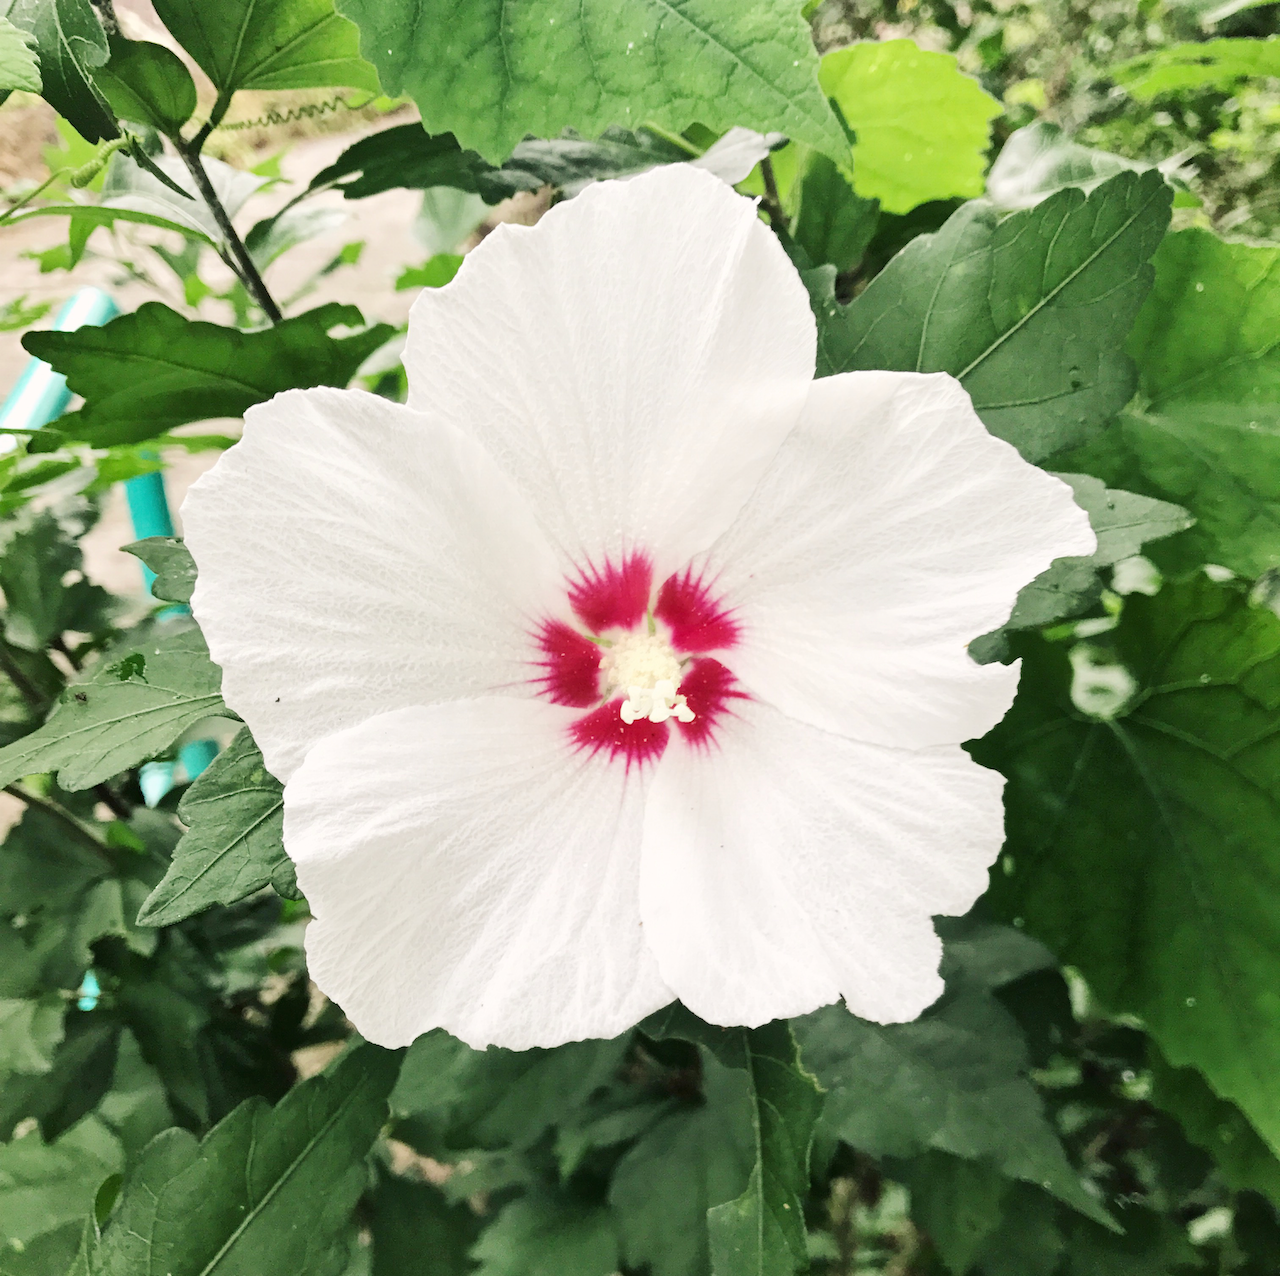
pixel 626 662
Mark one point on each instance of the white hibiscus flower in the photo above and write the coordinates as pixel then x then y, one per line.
pixel 626 662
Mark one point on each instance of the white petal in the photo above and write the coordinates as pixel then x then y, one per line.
pixel 784 867
pixel 733 157
pixel 891 531
pixel 468 871
pixel 354 557
pixel 633 360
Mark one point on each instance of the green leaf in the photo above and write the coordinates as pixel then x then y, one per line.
pixel 1242 1157
pixel 45 1186
pixel 404 1215
pixel 1214 64
pixel 694 1158
pixel 495 73
pixel 953 1081
pixel 957 1203
pixel 433 273
pixel 1041 158
pixel 921 125
pixel 1123 523
pixel 30 1029
pixel 234 841
pixel 1142 847
pixel 149 371
pixel 1207 433
pixel 171 561
pixel 268 44
pixel 831 223
pixel 544 1236
pixel 71 44
pixel 1029 311
pixel 148 84
pixel 48 1254
pixel 19 66
pixel 267 1190
pixel 1152 1245
pixel 123 715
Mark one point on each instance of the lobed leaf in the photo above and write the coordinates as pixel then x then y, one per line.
pixel 171 562
pixel 19 66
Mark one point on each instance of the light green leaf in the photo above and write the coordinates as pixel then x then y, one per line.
pixel 1029 311
pixel 234 841
pixel 45 1186
pixel 1212 64
pixel 1206 433
pixel 148 84
pixel 129 711
pixel 19 66
pixel 171 561
pixel 921 126
pixel 495 73
pixel 954 1080
pixel 149 371
pixel 71 44
pixel 1142 849
pixel 433 273
pixel 268 44
pixel 544 1236
pixel 1123 522
pixel 267 1190
pixel 30 1030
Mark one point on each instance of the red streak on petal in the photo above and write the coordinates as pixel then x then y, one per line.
pixel 698 622
pixel 710 690
pixel 635 743
pixel 570 664
pixel 615 597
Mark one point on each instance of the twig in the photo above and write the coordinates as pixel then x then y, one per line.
pixel 57 811
pixel 243 263
pixel 28 690
pixel 772 200
pixel 29 196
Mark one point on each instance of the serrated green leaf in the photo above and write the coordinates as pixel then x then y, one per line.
pixel 267 1190
pixel 1029 311
pixel 19 66
pixel 921 126
pixel 268 44
pixel 45 1186
pixel 123 715
pixel 171 562
pixel 149 84
pixel 953 1081
pixel 545 1236
pixel 71 44
pixel 1207 431
pixel 1210 64
pixel 494 74
pixel 1123 522
pixel 149 371
pixel 1142 849
pixel 234 844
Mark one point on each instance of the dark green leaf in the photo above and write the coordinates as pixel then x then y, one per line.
pixel 546 1236
pixel 114 722
pixel 171 561
pixel 152 370
pixel 953 1081
pixel 921 125
pixel 148 84
pixel 19 66
pixel 48 1254
pixel 234 842
pixel 417 1232
pixel 1208 433
pixel 493 75
pixel 267 1190
pixel 1142 847
pixel 268 44
pixel 30 1029
pixel 1029 311
pixel 71 44
pixel 1026 1240
pixel 957 1203
pixel 1152 1245
pixel 831 223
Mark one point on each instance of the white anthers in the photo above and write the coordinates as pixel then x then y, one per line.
pixel 647 667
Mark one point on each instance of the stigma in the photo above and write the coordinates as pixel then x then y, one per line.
pixel 647 670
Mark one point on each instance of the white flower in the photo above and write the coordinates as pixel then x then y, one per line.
pixel 627 662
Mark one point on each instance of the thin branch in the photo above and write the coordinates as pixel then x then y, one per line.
pixel 55 810
pixel 772 200
pixel 28 690
pixel 29 196
pixel 243 263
